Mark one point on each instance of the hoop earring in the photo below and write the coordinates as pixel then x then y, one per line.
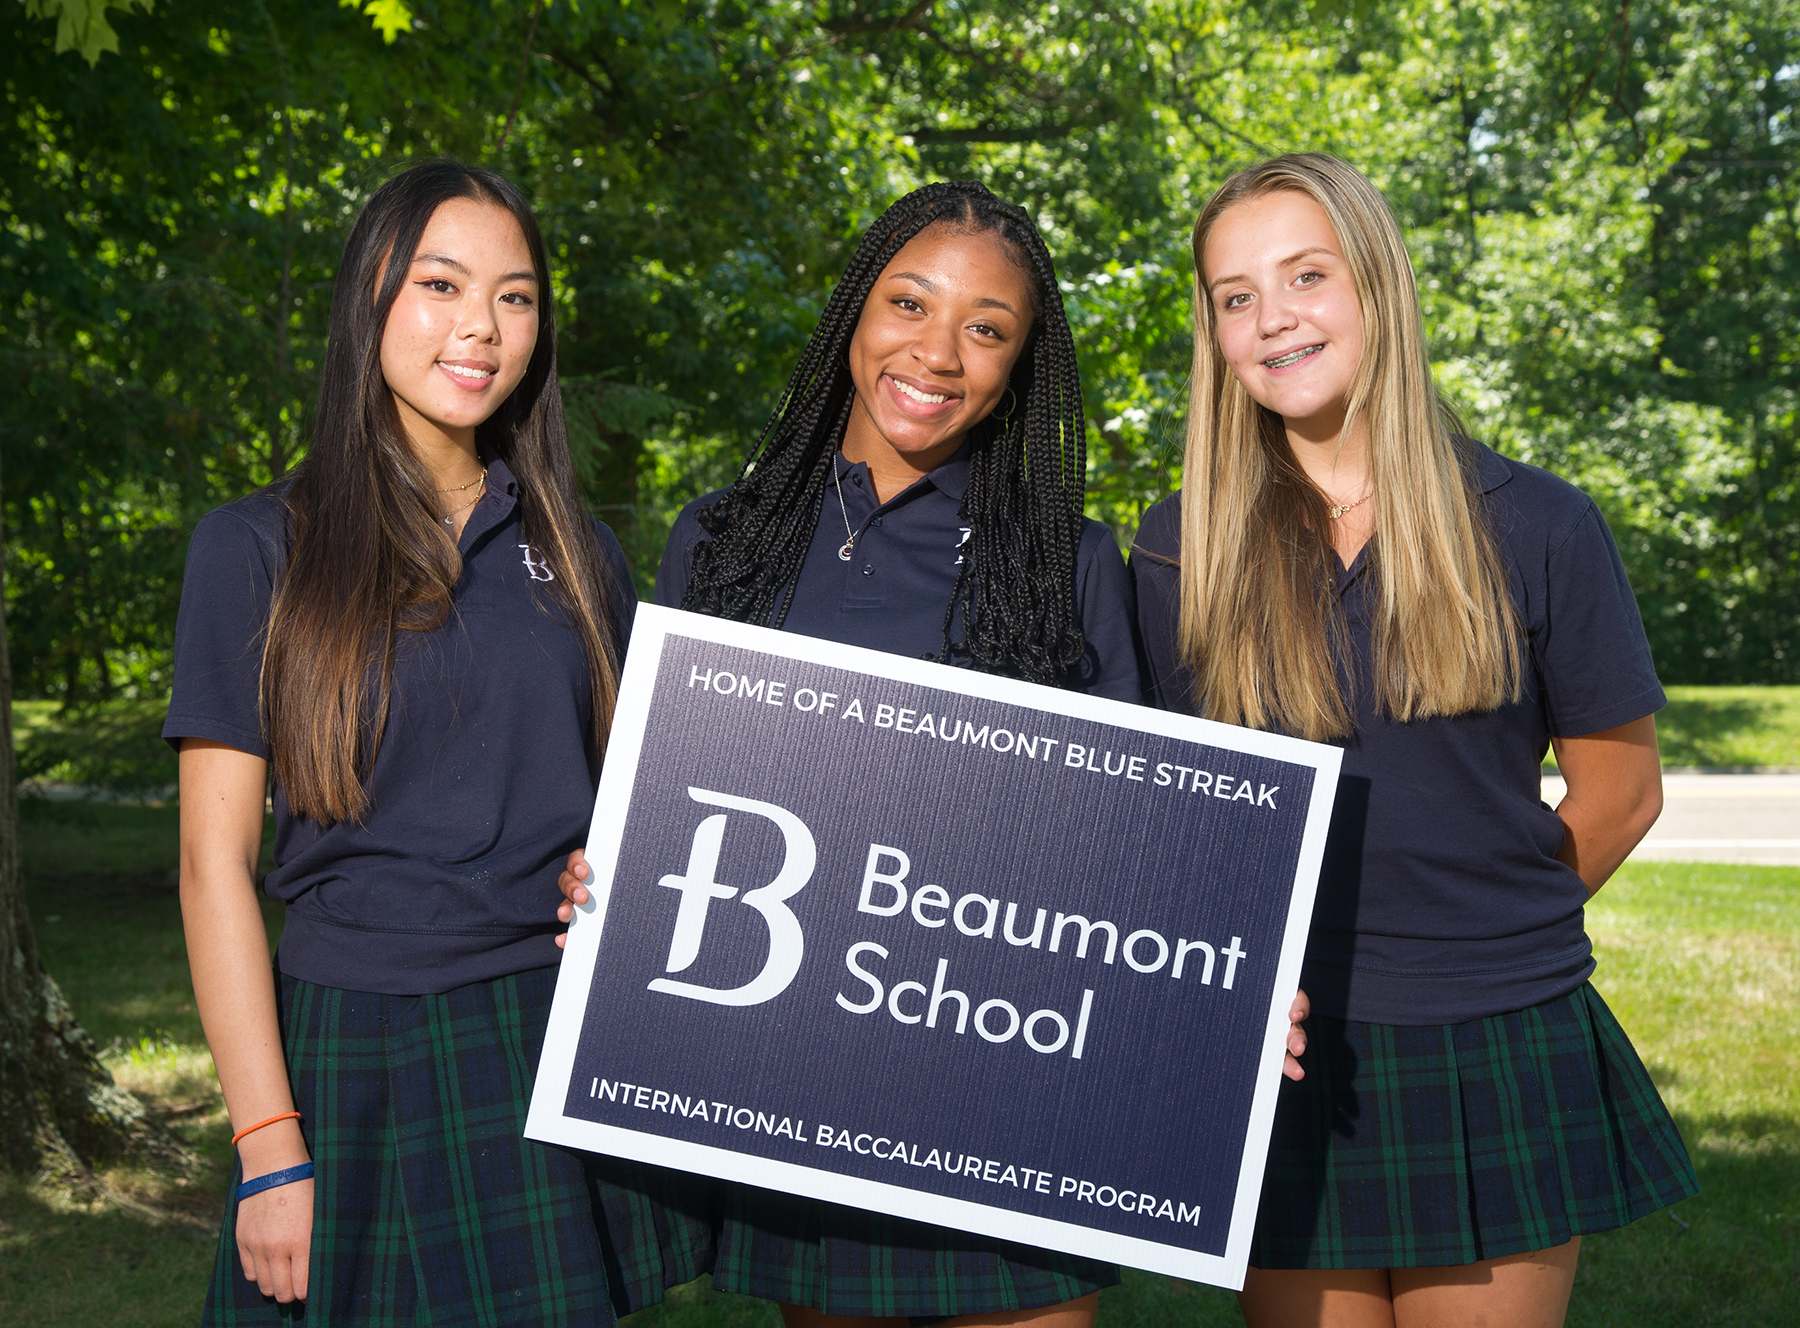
pixel 1005 416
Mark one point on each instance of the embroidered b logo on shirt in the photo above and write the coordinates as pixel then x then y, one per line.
pixel 535 564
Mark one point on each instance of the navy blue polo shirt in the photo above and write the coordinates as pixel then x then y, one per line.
pixel 1441 898
pixel 486 774
pixel 892 593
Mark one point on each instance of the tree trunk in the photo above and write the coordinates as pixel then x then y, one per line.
pixel 60 1111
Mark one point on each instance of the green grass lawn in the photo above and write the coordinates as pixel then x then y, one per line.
pixel 1712 726
pixel 1701 963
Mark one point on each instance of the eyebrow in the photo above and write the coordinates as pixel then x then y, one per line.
pixel 446 261
pixel 1288 261
pixel 985 302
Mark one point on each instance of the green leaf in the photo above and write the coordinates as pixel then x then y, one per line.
pixel 81 24
pixel 390 17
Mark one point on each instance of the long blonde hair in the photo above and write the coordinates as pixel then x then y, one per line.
pixel 1260 623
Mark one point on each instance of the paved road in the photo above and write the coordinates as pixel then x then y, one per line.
pixel 1721 818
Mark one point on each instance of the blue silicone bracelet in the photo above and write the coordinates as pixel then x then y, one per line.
pixel 275 1178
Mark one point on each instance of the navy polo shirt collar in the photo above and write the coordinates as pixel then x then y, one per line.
pixel 1491 470
pixel 949 479
pixel 495 507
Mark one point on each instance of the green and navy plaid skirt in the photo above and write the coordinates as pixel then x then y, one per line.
pixel 429 1204
pixel 1419 1147
pixel 850 1261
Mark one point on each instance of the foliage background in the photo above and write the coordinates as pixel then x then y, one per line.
pixel 1601 200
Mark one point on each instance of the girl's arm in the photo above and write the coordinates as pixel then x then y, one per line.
pixel 222 792
pixel 1614 797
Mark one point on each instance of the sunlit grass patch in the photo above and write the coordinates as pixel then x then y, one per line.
pixel 177 1076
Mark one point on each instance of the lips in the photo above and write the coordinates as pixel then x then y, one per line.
pixel 1292 357
pixel 917 400
pixel 469 375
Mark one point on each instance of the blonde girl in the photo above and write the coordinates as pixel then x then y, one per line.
pixel 1346 565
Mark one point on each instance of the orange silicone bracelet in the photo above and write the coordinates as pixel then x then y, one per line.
pixel 286 1115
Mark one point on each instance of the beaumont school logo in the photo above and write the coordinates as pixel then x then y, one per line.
pixel 700 886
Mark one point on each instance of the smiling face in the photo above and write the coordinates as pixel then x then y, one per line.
pixel 1285 305
pixel 935 346
pixel 460 334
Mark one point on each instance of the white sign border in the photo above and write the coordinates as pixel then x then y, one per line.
pixel 546 1121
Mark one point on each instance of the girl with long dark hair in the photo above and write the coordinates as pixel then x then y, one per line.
pixel 1345 564
pixel 917 490
pixel 412 646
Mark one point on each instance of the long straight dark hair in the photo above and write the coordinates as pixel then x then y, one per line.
pixel 1027 468
pixel 368 557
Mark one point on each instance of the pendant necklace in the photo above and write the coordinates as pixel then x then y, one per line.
pixel 849 545
pixel 1338 509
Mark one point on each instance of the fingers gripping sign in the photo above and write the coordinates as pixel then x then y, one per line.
pixel 574 891
pixel 1296 1038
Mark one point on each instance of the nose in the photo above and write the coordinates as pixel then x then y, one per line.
pixel 935 349
pixel 476 321
pixel 1275 314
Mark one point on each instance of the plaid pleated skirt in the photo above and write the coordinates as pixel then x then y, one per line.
pixel 1419 1147
pixel 429 1204
pixel 849 1261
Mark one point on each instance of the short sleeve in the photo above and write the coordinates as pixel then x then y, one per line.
pixel 677 566
pixel 1111 664
pixel 1592 653
pixel 1156 577
pixel 226 591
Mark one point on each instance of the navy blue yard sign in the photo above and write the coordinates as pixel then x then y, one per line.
pixel 949 946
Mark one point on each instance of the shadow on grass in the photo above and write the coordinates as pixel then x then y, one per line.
pixel 1708 732
pixel 74 1266
pixel 1728 1256
pixel 697 1305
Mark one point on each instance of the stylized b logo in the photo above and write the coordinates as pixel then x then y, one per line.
pixel 699 888
pixel 539 567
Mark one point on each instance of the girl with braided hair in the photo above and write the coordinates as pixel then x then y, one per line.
pixel 943 356
pixel 917 490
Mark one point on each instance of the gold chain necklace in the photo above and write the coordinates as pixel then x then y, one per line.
pixel 461 488
pixel 1338 509
pixel 450 516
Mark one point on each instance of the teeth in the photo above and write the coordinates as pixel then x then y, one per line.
pixel 461 372
pixel 1293 357
pixel 929 398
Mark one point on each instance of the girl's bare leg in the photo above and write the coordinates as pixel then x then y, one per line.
pixel 1520 1291
pixel 1334 1297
